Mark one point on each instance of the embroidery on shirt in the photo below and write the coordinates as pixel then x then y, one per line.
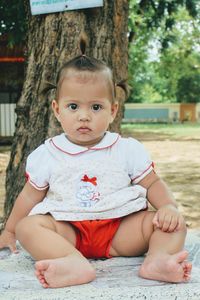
pixel 87 193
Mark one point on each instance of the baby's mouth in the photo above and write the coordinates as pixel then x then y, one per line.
pixel 84 129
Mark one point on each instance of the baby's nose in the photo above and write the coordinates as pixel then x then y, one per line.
pixel 84 116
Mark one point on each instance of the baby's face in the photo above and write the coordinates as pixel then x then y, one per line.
pixel 84 108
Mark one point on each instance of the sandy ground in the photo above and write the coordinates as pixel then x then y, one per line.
pixel 176 161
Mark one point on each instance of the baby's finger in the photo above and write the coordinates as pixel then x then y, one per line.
pixel 166 223
pixel 155 220
pixel 13 248
pixel 181 223
pixel 161 220
pixel 173 224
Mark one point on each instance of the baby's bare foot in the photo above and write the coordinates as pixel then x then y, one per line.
pixel 165 267
pixel 65 271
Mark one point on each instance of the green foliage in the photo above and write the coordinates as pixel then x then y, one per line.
pixel 146 15
pixel 188 89
pixel 161 76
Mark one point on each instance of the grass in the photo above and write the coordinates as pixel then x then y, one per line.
pixel 185 130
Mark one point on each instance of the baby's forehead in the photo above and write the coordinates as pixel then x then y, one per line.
pixel 102 77
pixel 87 76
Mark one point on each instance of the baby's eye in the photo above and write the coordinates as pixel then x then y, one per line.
pixel 96 107
pixel 72 106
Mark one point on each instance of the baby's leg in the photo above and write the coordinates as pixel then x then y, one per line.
pixel 165 259
pixel 53 244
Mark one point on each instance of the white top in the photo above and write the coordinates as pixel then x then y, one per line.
pixel 83 183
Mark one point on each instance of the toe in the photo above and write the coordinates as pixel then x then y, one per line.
pixel 45 285
pixel 187 268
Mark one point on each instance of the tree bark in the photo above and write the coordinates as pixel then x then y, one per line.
pixel 53 39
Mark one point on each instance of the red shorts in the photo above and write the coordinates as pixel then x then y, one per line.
pixel 94 237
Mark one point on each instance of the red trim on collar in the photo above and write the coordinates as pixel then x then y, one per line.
pixel 106 146
pixel 83 151
pixel 51 141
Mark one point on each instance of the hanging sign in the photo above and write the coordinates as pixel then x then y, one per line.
pixel 51 6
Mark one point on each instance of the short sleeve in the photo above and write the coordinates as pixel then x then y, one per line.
pixel 37 169
pixel 139 163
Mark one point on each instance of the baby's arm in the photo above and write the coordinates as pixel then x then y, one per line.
pixel 167 217
pixel 26 200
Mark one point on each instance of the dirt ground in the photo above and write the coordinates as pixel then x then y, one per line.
pixel 176 161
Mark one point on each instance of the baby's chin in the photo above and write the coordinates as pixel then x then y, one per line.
pixel 84 141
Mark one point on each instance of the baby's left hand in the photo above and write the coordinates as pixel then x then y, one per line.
pixel 168 218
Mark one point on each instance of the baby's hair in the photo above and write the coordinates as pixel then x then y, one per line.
pixel 123 85
pixel 85 63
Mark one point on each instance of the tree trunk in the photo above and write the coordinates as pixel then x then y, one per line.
pixel 53 39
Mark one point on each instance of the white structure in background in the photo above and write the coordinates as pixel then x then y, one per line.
pixel 7 119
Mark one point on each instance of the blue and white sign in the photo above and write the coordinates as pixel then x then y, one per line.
pixel 51 6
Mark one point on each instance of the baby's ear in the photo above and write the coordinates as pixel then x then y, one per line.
pixel 55 108
pixel 114 110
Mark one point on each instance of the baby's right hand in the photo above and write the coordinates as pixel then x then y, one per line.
pixel 8 240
